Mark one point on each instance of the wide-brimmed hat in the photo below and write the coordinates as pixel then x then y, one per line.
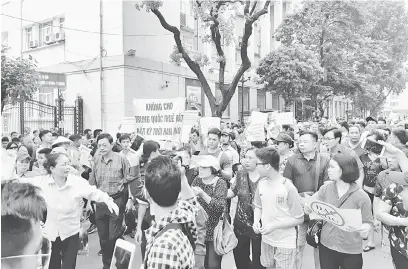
pixel 209 161
pixel 61 140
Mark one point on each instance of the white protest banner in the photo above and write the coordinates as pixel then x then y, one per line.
pixel 159 119
pixel 85 156
pixel 8 162
pixel 255 130
pixel 345 219
pixel 206 123
pixel 285 118
pixel 190 118
pixel 127 125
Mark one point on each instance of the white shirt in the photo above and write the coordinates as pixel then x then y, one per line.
pixel 64 205
pixel 132 156
pixel 232 153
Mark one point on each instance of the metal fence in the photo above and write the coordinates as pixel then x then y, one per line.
pixel 27 115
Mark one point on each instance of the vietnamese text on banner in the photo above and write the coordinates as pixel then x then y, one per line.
pixel 159 119
pixel 256 126
pixel 285 118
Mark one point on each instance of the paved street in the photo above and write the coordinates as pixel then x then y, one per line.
pixel 372 260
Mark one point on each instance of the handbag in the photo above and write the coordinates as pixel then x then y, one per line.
pixel 224 237
pixel 315 227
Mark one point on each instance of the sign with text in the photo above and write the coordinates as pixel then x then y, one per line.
pixel 85 156
pixel 159 119
pixel 206 123
pixel 190 118
pixel 285 118
pixel 345 219
pixel 255 130
pixel 127 125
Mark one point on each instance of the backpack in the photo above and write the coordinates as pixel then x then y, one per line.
pixel 174 226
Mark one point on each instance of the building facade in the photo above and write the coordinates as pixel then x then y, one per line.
pixel 111 53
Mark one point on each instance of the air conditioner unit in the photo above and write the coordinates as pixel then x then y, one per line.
pixel 60 36
pixel 33 43
pixel 50 38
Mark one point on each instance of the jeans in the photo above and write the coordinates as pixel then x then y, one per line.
pixel 110 228
pixel 65 251
pixel 400 261
pixel 212 259
pixel 242 252
pixel 331 259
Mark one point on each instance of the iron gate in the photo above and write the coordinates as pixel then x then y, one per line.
pixel 28 115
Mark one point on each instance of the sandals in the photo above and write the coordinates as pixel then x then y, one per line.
pixel 368 248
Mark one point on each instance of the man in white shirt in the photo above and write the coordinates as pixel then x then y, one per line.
pixel 226 138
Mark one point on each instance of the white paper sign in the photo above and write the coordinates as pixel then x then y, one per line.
pixel 85 156
pixel 8 162
pixel 206 123
pixel 285 118
pixel 190 118
pixel 345 219
pixel 159 119
pixel 255 130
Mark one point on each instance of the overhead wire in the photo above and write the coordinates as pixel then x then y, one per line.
pixel 86 31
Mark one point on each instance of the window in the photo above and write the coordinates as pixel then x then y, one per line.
pixel 61 23
pixel 261 99
pixel 44 29
pixel 4 39
pixel 246 100
pixel 28 36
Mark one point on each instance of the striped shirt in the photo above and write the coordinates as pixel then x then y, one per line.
pixel 109 174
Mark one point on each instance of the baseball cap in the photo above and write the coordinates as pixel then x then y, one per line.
pixel 370 119
pixel 209 161
pixel 226 132
pixel 282 137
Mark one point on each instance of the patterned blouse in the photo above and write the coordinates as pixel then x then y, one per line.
pixel 216 207
pixel 398 234
pixel 245 190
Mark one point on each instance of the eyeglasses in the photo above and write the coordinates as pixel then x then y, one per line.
pixel 43 255
pixel 259 164
pixel 327 138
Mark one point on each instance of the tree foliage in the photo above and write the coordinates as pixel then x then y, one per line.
pixel 361 47
pixel 289 71
pixel 218 19
pixel 19 79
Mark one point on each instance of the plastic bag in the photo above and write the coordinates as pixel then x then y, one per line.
pixel 83 248
pixel 224 237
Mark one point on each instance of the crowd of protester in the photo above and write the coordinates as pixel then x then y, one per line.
pixel 170 199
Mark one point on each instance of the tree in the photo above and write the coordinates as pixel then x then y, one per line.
pixel 331 30
pixel 19 79
pixel 218 18
pixel 289 72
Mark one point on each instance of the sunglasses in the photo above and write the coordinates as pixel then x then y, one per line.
pixel 43 255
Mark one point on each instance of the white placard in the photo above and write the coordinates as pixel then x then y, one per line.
pixel 190 118
pixel 285 118
pixel 85 156
pixel 127 125
pixel 8 162
pixel 256 126
pixel 159 119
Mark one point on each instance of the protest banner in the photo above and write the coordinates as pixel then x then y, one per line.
pixel 255 130
pixel 345 219
pixel 8 162
pixel 127 125
pixel 285 118
pixel 190 118
pixel 85 156
pixel 159 119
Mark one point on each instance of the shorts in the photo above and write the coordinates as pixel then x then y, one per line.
pixel 279 258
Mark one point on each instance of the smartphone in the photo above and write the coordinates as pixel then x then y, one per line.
pixel 123 255
pixel 373 146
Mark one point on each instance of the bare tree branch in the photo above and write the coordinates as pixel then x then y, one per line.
pixel 246 8
pixel 253 8
pixel 246 63
pixel 191 64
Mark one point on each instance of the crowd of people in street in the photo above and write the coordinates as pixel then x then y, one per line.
pixel 189 204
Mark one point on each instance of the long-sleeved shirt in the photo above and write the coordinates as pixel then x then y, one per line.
pixel 64 204
pixel 111 173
